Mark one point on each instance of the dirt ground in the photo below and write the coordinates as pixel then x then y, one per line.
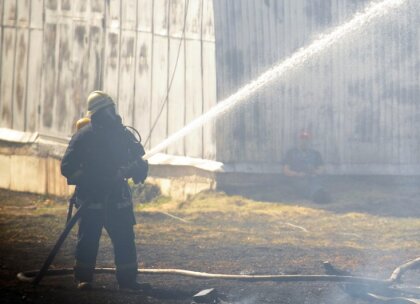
pixel 367 229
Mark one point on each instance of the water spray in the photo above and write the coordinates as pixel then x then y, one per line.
pixel 372 13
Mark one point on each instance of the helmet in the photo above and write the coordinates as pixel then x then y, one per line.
pixel 98 100
pixel 304 134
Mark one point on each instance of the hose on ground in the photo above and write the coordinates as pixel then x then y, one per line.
pixel 31 276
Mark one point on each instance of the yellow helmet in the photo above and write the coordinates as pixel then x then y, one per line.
pixel 98 100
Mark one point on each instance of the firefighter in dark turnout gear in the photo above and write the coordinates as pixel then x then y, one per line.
pixel 99 159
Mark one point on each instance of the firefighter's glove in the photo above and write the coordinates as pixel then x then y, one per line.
pixel 139 171
pixel 136 170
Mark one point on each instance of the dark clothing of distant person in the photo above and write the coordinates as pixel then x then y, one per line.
pixel 306 180
pixel 303 160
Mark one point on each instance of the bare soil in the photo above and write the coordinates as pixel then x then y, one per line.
pixel 363 231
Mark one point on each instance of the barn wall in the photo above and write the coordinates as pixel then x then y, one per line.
pixel 54 52
pixel 360 98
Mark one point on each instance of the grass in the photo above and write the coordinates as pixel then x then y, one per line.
pixel 291 224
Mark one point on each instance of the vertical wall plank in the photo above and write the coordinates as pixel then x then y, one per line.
pixel 208 21
pixel 35 67
pixel 97 6
pixel 129 14
pixel 144 15
pixel 177 17
pixel 1 12
pixel 193 26
pixel 126 76
pixel 160 17
pixel 64 109
pixel 9 12
pixel 95 68
pixel 209 78
pixel 23 13
pixel 159 90
pixel 48 95
pixel 193 94
pixel 176 100
pixel 20 77
pixel 81 69
pixel 143 83
pixel 37 9
pixel 7 68
pixel 112 48
pixel 209 98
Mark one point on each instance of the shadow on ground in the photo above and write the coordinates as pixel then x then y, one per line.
pixel 397 196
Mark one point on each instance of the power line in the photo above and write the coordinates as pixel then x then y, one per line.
pixel 165 100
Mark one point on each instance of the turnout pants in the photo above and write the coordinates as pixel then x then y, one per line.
pixel 119 225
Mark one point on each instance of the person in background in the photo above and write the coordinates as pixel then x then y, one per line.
pixel 303 166
pixel 99 159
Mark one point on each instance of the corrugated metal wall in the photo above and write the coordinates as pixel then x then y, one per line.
pixel 360 98
pixel 54 52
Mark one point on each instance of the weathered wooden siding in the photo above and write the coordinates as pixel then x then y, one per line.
pixel 359 98
pixel 54 52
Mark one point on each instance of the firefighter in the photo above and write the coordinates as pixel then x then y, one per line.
pixel 303 166
pixel 99 159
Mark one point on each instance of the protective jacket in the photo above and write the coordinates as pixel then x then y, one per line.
pixel 94 161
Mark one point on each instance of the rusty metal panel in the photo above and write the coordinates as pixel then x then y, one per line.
pixel 126 76
pixel 143 84
pixel 34 81
pixel 7 68
pixel 158 109
pixel 209 98
pixel 194 97
pixel 144 15
pixel 20 78
pixel 9 12
pixel 177 98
